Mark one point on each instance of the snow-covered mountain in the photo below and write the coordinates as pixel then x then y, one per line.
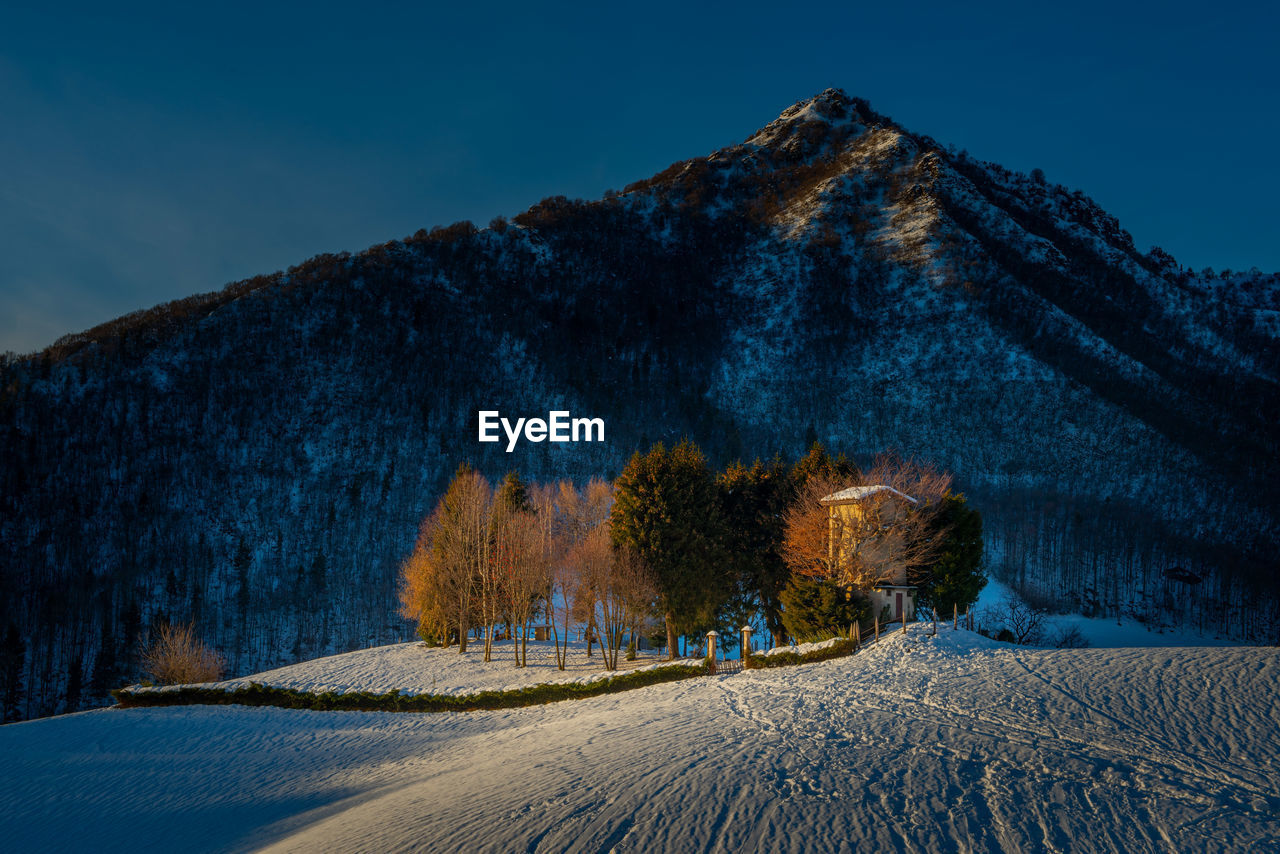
pixel 953 743
pixel 259 458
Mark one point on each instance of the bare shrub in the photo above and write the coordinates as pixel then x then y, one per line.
pixel 1069 638
pixel 177 657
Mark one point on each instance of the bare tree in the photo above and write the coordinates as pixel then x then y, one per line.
pixel 806 544
pixel 542 497
pixel 590 560
pixel 562 578
pixel 614 592
pixel 583 511
pixel 1024 621
pixel 523 570
pixel 628 599
pixel 494 570
pixel 1069 637
pixel 463 540
pixel 577 514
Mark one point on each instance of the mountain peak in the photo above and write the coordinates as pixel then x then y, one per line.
pixel 829 103
pixel 830 107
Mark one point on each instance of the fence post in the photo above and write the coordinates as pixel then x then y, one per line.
pixel 711 651
pixel 877 628
pixel 746 647
pixel 955 616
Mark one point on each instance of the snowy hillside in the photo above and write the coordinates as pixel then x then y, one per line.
pixel 257 461
pixel 939 744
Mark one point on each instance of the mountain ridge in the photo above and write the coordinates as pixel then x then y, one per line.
pixel 257 459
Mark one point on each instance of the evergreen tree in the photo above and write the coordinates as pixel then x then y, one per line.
pixel 810 436
pixel 317 576
pixel 131 629
pixel 752 501
pixel 818 463
pixel 196 608
pixel 105 664
pixel 665 509
pixel 13 657
pixel 75 681
pixel 513 494
pixel 816 609
pixel 241 563
pixel 956 578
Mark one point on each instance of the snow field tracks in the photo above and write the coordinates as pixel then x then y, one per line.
pixel 1020 760
pixel 928 744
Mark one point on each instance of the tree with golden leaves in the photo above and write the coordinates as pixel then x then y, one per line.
pixel 440 579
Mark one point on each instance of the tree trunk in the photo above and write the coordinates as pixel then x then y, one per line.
pixel 671 637
pixel 555 638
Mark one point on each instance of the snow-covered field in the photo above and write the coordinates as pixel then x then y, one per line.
pixel 414 668
pixel 952 743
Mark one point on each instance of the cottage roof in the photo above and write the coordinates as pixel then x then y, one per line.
pixel 858 493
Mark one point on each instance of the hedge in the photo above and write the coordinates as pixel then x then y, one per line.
pixel 257 694
pixel 839 649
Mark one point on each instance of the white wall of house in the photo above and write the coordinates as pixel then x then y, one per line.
pixel 882 597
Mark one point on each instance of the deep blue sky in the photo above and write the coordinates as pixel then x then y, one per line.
pixel 155 153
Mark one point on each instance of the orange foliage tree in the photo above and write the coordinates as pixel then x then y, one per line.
pixel 890 531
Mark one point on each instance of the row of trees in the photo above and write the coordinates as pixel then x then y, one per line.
pixel 490 557
pixel 673 542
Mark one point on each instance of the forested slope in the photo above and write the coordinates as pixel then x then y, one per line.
pixel 258 459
